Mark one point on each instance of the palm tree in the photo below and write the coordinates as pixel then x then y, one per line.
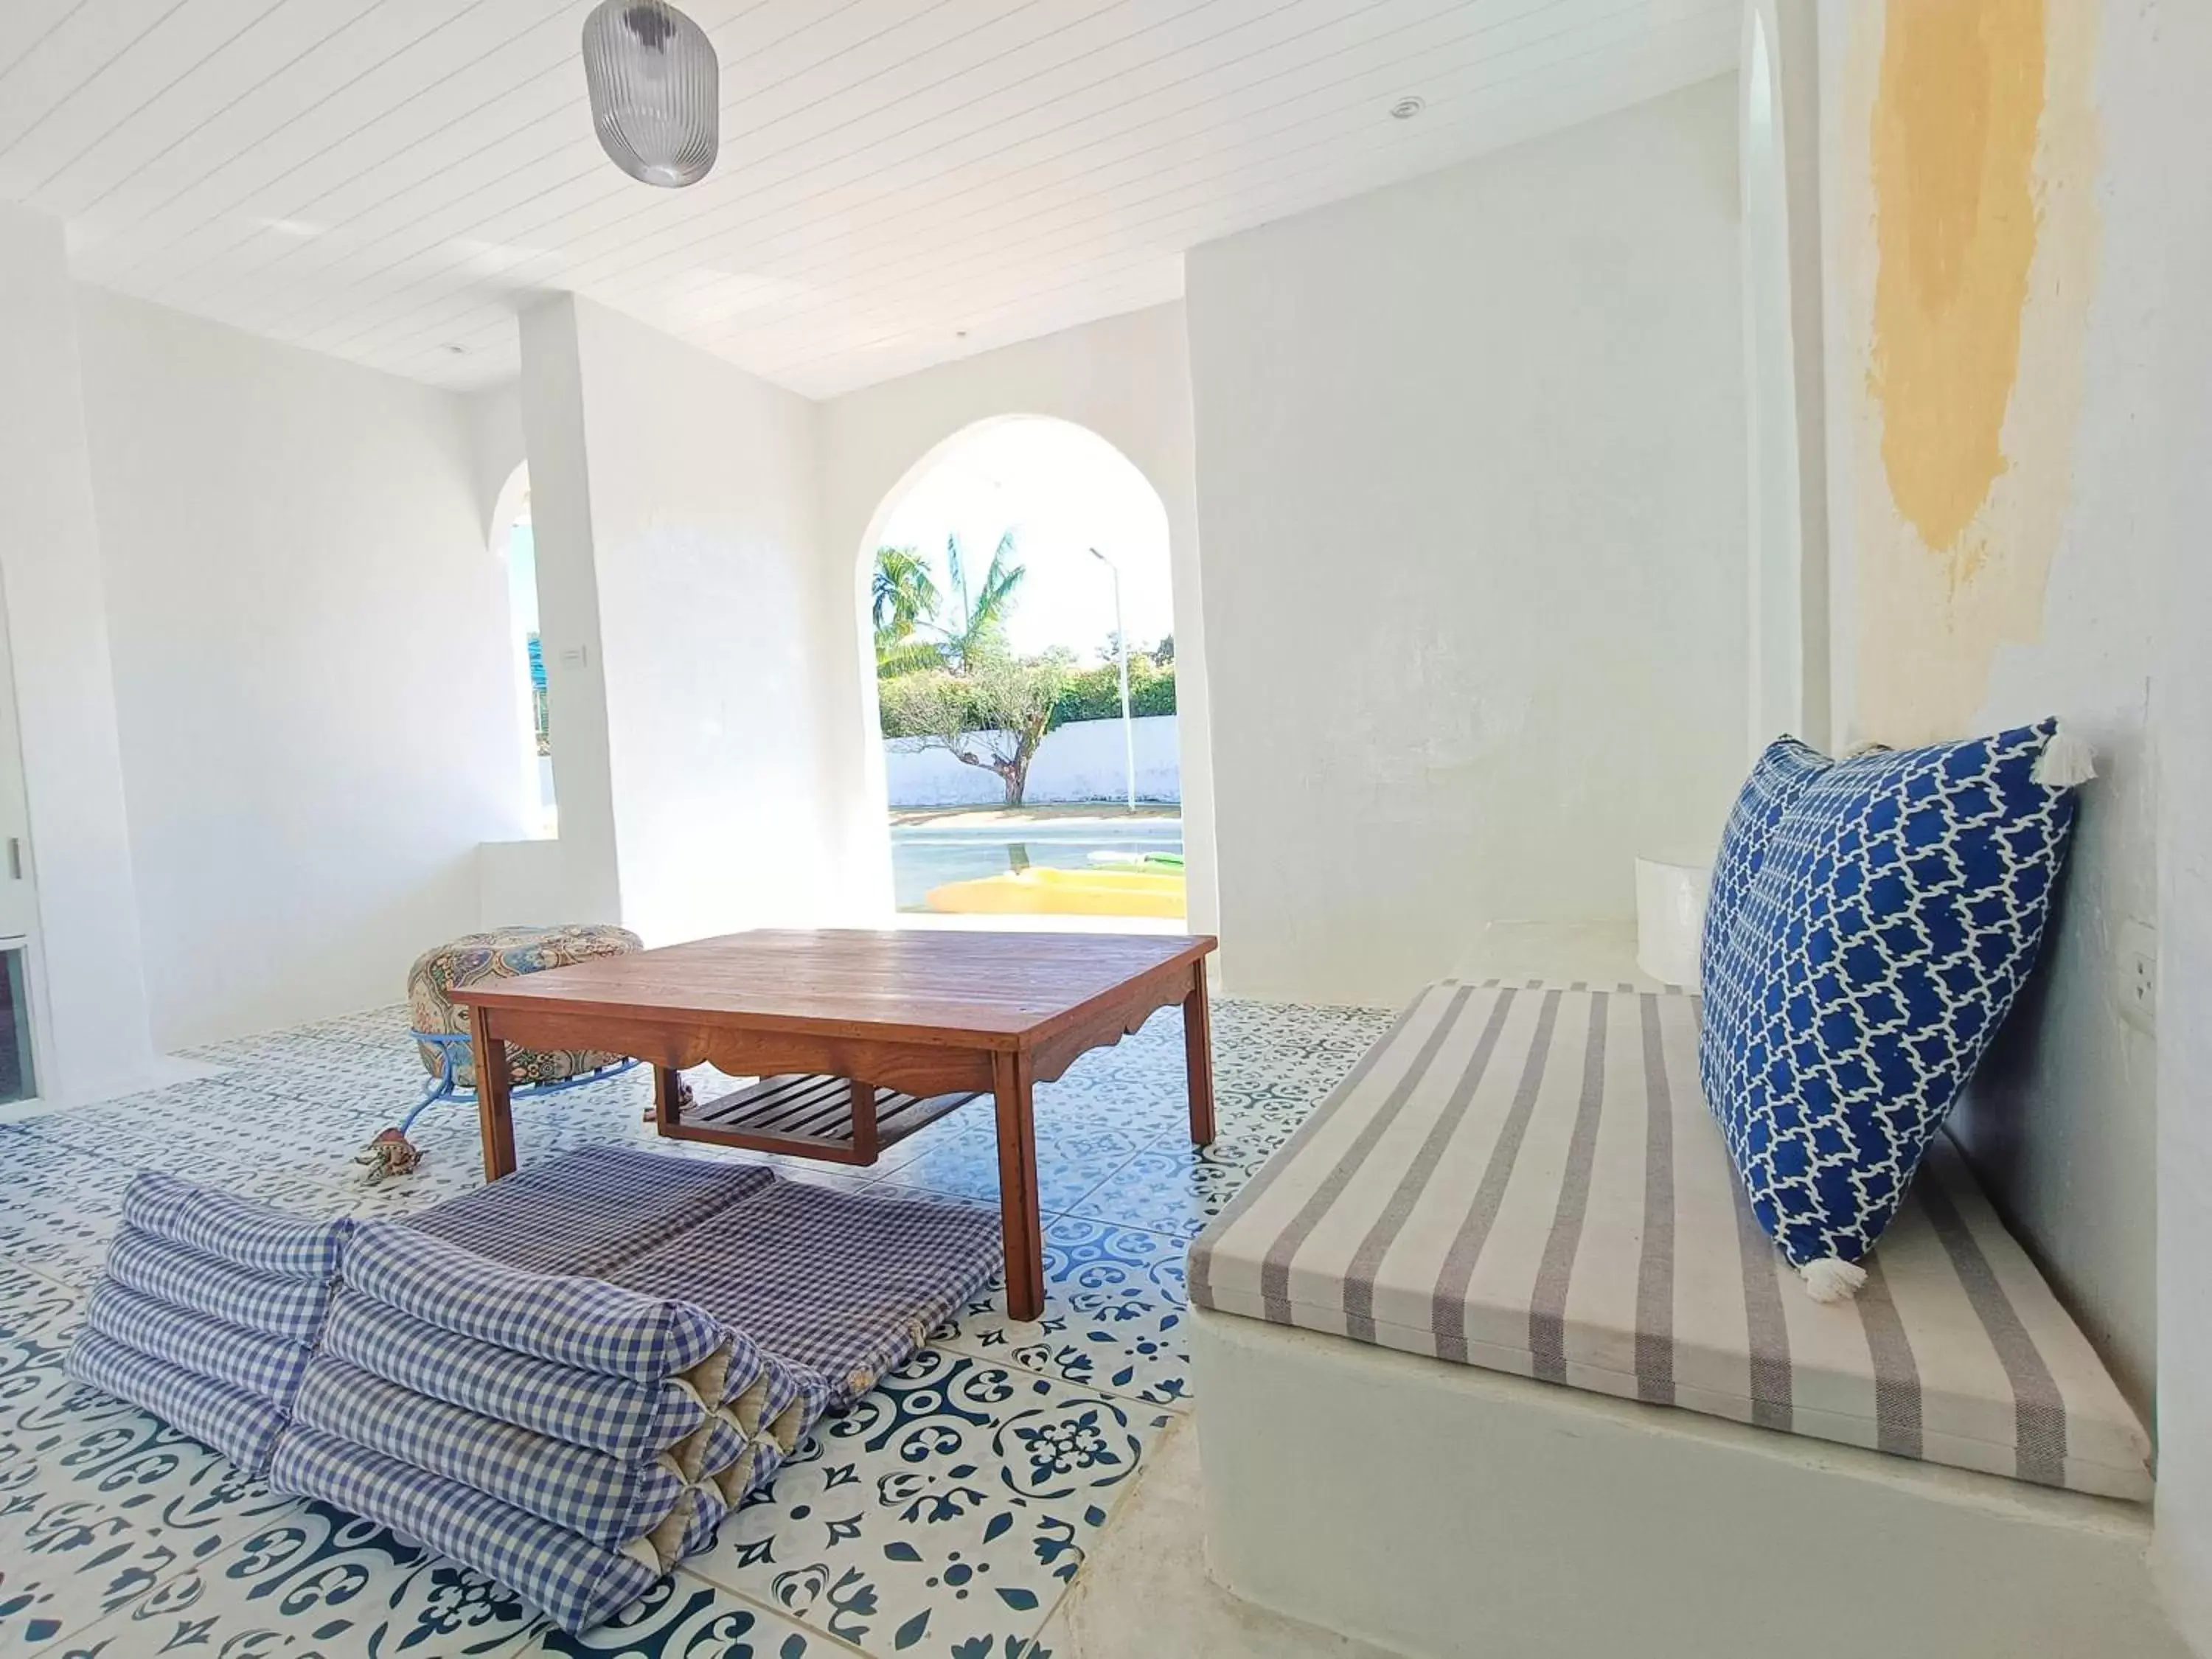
pixel 982 629
pixel 901 596
pixel 908 657
pixel 903 601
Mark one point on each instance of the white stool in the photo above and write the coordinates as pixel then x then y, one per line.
pixel 1670 919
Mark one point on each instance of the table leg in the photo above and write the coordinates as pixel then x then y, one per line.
pixel 667 1098
pixel 1018 1186
pixel 867 1144
pixel 1197 1057
pixel 494 1107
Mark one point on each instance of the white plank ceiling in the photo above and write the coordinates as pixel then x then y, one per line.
pixel 901 181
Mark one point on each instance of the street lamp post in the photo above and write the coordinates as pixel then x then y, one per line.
pixel 1122 640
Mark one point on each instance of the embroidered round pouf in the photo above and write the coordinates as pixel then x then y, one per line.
pixel 505 953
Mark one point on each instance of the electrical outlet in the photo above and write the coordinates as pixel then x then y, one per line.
pixel 2135 969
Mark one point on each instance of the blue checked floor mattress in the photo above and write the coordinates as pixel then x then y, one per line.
pixel 564 1380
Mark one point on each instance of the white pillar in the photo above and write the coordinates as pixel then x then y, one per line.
pixel 91 1017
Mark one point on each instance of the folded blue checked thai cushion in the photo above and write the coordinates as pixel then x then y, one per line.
pixel 207 1311
pixel 1871 921
pixel 565 1379
pixel 550 1428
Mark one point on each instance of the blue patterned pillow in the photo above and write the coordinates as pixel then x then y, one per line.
pixel 1878 940
pixel 1781 774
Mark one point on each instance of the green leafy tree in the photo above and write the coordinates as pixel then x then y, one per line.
pixel 1095 693
pixel 992 716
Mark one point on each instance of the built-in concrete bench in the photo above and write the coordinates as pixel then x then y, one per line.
pixel 1520 1187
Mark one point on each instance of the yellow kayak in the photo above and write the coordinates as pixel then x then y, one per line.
pixel 1040 891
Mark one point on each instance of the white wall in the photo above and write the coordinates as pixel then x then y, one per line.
pixel 684 491
pixel 2085 593
pixel 1472 495
pixel 2155 67
pixel 92 1025
pixel 309 647
pixel 2048 604
pixel 1126 379
pixel 1086 760
pixel 2170 205
pixel 495 452
pixel 2062 1120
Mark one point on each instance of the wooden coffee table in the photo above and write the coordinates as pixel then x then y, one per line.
pixel 859 1039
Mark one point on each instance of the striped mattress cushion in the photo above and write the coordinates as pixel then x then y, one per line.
pixel 1526 1179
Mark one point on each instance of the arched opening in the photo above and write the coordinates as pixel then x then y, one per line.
pixel 514 544
pixel 1017 612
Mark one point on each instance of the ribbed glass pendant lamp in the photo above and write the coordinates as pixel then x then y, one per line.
pixel 652 78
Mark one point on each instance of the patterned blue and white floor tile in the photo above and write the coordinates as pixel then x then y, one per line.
pixel 946 1515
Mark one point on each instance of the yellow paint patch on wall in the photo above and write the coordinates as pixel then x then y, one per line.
pixel 1953 151
pixel 1965 253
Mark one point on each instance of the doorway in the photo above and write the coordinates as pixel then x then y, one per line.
pixel 514 545
pixel 1017 593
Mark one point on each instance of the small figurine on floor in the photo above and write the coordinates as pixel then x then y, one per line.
pixel 389 1154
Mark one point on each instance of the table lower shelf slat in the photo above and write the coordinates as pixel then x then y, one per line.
pixel 809 1116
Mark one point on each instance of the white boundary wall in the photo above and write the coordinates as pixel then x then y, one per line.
pixel 1082 761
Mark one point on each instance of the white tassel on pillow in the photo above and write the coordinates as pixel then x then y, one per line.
pixel 2066 761
pixel 1831 1278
